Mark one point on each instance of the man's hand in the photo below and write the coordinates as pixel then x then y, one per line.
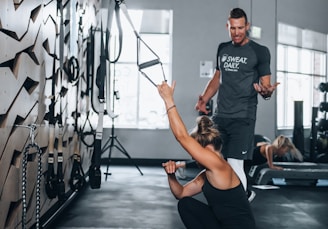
pixel 265 91
pixel 201 105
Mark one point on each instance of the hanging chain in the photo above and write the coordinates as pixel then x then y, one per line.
pixel 38 187
pixel 24 179
pixel 34 145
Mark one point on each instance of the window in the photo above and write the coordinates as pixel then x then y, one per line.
pixel 301 67
pixel 132 96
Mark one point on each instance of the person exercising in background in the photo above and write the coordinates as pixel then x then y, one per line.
pixel 265 152
pixel 242 72
pixel 227 205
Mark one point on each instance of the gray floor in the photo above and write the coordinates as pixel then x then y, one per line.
pixel 129 200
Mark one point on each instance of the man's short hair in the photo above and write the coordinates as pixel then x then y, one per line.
pixel 238 13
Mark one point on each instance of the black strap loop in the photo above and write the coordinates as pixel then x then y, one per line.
pixel 72 69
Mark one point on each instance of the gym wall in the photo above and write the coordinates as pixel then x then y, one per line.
pixel 32 57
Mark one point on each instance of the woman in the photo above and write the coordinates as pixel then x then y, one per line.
pixel 266 152
pixel 227 206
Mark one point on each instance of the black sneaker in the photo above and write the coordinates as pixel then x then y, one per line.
pixel 250 195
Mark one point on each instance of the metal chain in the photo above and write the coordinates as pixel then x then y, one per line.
pixel 24 177
pixel 38 187
pixel 24 185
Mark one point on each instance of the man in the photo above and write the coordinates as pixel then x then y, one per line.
pixel 242 71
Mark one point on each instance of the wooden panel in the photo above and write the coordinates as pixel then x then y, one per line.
pixel 29 41
pixel 8 90
pixel 11 190
pixel 23 12
pixel 28 69
pixel 4 206
pixel 9 47
pixel 17 141
pixel 4 134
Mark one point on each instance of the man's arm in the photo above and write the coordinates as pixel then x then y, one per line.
pixel 265 89
pixel 210 90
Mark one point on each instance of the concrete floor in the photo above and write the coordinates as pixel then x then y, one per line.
pixel 129 200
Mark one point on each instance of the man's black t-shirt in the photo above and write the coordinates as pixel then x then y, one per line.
pixel 240 67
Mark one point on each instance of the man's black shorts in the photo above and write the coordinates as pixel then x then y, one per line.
pixel 238 137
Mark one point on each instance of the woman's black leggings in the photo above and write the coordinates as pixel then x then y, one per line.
pixel 196 214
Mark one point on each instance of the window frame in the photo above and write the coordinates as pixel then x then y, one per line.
pixel 285 118
pixel 139 106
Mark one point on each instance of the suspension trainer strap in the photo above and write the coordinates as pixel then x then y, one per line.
pixel 60 156
pixel 60 159
pixel 92 67
pixel 89 69
pixel 94 170
pixel 140 42
pixel 51 180
pixel 77 179
pixel 108 30
pixel 72 69
pixel 111 10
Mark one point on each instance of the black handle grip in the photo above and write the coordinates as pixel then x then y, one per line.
pixel 148 64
